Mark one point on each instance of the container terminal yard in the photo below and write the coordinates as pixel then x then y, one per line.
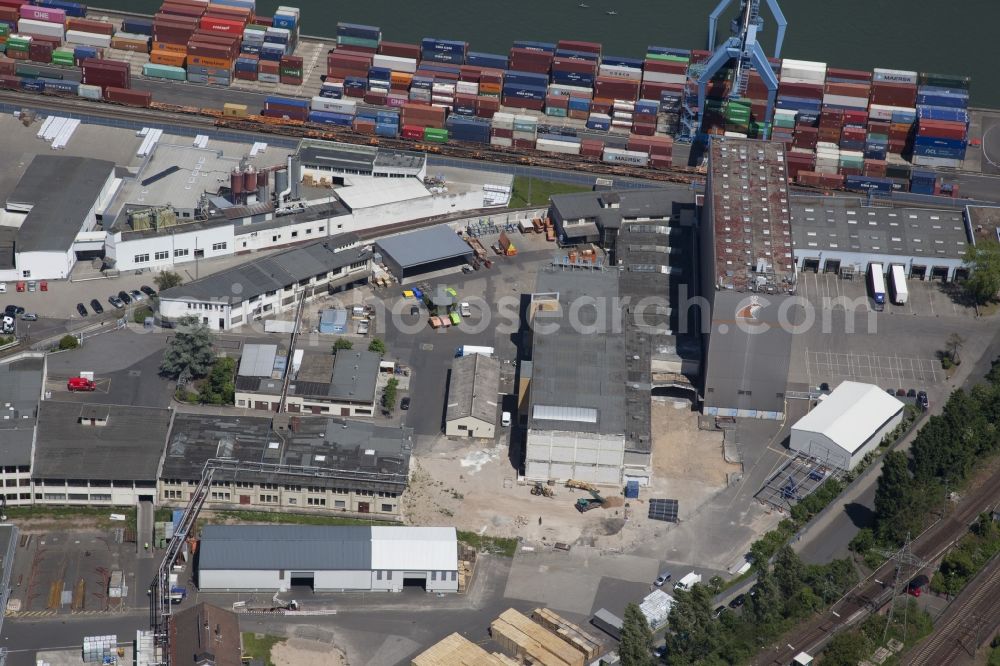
pixel 402 409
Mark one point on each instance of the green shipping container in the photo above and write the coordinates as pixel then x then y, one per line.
pixel 357 41
pixel 667 58
pixel 944 80
pixel 552 111
pixel 295 73
pixel 27 72
pixel 4 29
pixel 435 135
pixel 878 137
pixel 164 72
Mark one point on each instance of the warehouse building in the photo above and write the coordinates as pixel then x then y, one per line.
pixel 205 635
pixel 332 162
pixel 54 231
pixel 420 253
pixel 335 558
pixel 270 285
pixel 341 466
pixel 22 379
pixel 748 271
pixel 473 388
pixel 576 407
pixel 90 454
pixel 597 217
pixel 846 425
pixel 843 235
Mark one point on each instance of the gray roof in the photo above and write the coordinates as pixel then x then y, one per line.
pixel 355 375
pixel 205 634
pixel 127 448
pixel 54 221
pixel 8 238
pixel 596 207
pixel 198 170
pixel 20 391
pixel 270 273
pixel 747 365
pixel 286 547
pixel 257 360
pixel 573 368
pixel 399 159
pixel 337 156
pixel 473 387
pixel 843 224
pixel 424 246
pixel 354 454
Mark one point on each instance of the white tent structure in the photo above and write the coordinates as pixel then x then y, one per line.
pixel 846 424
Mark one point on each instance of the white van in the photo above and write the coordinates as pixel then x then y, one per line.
pixel 505 420
pixel 688 581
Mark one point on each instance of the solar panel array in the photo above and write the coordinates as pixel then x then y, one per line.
pixel 663 509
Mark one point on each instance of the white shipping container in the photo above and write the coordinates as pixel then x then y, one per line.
pixel 89 92
pixel 503 142
pixel 921 160
pixel 883 75
pixel 573 91
pixel 884 112
pixel 624 124
pixel 395 63
pixel 88 39
pixel 331 105
pixel 843 100
pixel 619 156
pixel 552 146
pixel 40 28
pixel 623 115
pixel 446 88
pixel 831 170
pixel 525 120
pixel 663 77
pixel 620 72
pixel 467 87
pixel 503 120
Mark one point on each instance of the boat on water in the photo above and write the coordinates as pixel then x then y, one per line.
pixel 611 12
pixel 583 5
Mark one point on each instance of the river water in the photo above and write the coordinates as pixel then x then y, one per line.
pixel 956 37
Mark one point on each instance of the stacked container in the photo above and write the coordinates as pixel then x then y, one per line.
pixel 97 648
pixel 941 135
pixel 106 73
pixel 361 37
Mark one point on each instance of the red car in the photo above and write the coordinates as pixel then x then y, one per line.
pixel 917 585
pixel 80 384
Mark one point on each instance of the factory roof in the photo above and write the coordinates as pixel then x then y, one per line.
pixel 578 355
pixel 345 453
pixel 20 391
pixel 607 209
pixel 424 246
pixel 328 548
pixel 844 224
pixel 850 414
pixel 205 634
pixel 381 191
pixel 257 360
pixel 399 159
pixel 355 376
pixel 984 222
pixel 100 442
pixel 285 547
pixel 179 175
pixel 54 221
pixel 337 156
pixel 472 389
pixel 271 273
pixel 750 212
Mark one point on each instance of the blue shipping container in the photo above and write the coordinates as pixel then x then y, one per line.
pixel 602 125
pixel 442 45
pixel 943 113
pixel 535 46
pixel 619 61
pixel 74 9
pixel 286 101
pixel 355 83
pixel 951 144
pixel 391 131
pixel 486 60
pixel 359 31
pixel 579 104
pixel 286 21
pixel 252 49
pixel 666 50
pixel 937 151
pixel 573 79
pixel 939 99
pixel 524 91
pixel 442 56
pixel 868 183
pixel 138 25
pixel 577 55
pixel 328 118
pixel 34 85
pixel 526 78
pixel 56 85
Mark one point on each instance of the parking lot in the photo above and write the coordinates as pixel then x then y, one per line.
pixel 886 371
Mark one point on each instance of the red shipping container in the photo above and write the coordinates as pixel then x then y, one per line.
pixel 268 67
pixel 519 103
pixel 245 76
pixel 182 10
pixel 806 90
pixel 849 89
pixel 572 45
pixel 10 82
pixel 263 20
pixel 616 89
pixel 129 97
pixel 412 132
pixel 9 14
pixel 400 50
pixel 13 3
pixel 654 91
pixel 941 129
pixel 224 26
pixel 699 56
pixel 470 73
pixel 375 98
pixel 894 94
pixel 666 67
pixel 85 25
pixel 645 129
pixel 853 74
pixel 524 144
pixel 855 117
pixel 879 127
pixel 574 66
pixel 490 103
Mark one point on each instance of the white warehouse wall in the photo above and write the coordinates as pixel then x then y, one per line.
pixel 125 251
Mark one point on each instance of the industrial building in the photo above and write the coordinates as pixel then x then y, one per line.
pixel 342 466
pixel 22 379
pixel 334 558
pixel 576 409
pixel 748 270
pixel 846 424
pixel 473 400
pixel 270 285
pixel 205 635
pixel 844 235
pixel 90 455
pixel 596 217
pixel 422 252
pixel 325 160
pixel 52 232
pixel 343 384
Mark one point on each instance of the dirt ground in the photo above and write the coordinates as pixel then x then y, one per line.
pixel 298 652
pixel 475 488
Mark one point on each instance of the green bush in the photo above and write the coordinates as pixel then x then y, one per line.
pixel 68 342
pixel 219 388
pixel 139 314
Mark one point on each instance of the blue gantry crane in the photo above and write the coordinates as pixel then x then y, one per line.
pixel 742 47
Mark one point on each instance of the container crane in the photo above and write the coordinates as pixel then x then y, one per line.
pixel 743 47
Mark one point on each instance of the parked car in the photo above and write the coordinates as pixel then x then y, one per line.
pixel 149 291
pixel 124 297
pixel 900 393
pixel 912 393
pixel 404 404
pixel 96 306
pixel 922 401
pixel 80 384
pixel 363 327
pixel 662 579
pixel 891 391
pixel 505 419
pixel 917 585
pixel 415 310
pixel 32 286
pixel 824 387
pixel 136 295
pixel 3 287
pixel 82 309
pixel 13 310
pixel 719 610
pixel 738 601
pixel 116 302
pixel 29 316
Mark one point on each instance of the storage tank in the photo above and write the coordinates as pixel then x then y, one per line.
pixel 295 175
pixel 250 179
pixel 280 181
pixel 236 182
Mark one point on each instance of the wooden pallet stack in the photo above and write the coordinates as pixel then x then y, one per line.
pixel 588 644
pixel 454 650
pixel 530 642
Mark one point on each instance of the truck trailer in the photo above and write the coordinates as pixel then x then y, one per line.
pixel 897 285
pixel 468 350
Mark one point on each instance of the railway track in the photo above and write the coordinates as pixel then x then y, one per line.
pixel 869 596
pixel 975 614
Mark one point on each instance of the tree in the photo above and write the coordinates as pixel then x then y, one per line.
pixel 788 571
pixel 637 638
pixel 952 345
pixel 220 387
pixel 894 499
pixel 847 648
pixel 166 280
pixel 863 541
pixel 764 604
pixel 342 343
pixel 389 395
pixel 189 350
pixel 68 342
pixel 693 631
pixel 983 262
pixel 376 346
